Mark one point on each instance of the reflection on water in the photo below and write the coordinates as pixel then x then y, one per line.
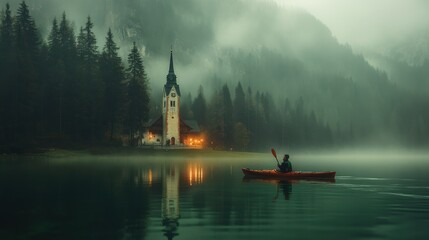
pixel 284 186
pixel 191 199
pixel 195 173
pixel 171 179
pixel 170 202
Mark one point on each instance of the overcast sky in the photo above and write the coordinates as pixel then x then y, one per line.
pixel 368 23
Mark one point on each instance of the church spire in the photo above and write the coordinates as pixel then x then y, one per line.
pixel 171 77
pixel 171 71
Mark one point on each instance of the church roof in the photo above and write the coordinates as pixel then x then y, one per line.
pixel 186 126
pixel 152 121
pixel 168 87
pixel 154 125
pixel 193 125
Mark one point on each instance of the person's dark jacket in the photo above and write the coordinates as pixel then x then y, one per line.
pixel 286 166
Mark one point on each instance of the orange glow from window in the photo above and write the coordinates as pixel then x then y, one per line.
pixel 194 141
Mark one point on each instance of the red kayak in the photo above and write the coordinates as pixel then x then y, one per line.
pixel 289 175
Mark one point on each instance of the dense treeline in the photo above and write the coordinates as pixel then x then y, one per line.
pixel 252 121
pixel 65 88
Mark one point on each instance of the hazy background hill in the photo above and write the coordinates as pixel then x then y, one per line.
pixel 283 51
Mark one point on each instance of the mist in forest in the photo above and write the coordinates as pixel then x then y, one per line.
pixel 263 73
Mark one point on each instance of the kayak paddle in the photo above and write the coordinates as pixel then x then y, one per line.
pixel 274 154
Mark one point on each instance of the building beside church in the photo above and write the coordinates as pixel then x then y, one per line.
pixel 169 129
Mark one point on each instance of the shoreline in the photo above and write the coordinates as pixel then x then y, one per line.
pixel 115 150
pixel 61 152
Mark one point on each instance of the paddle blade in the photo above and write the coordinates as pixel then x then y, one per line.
pixel 274 152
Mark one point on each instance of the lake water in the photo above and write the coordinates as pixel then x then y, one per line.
pixel 204 196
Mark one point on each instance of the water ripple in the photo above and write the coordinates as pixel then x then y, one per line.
pixel 371 178
pixel 406 195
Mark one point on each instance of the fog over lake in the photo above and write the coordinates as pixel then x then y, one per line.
pixel 195 196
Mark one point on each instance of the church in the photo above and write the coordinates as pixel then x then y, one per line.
pixel 169 129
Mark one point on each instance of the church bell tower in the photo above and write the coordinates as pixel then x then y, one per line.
pixel 171 108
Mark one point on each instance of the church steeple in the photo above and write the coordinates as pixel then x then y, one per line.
pixel 171 77
pixel 171 71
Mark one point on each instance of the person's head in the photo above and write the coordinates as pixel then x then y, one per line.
pixel 286 157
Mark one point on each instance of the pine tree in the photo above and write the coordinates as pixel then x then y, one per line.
pixel 216 125
pixel 258 119
pixel 239 104
pixel 112 74
pixel 199 108
pixel 137 93
pixel 227 117
pixel 6 63
pixel 88 46
pixel 221 125
pixel 90 86
pixel 241 132
pixel 68 87
pixel 80 46
pixel 52 87
pixel 26 83
pixel 26 34
pixel 54 42
pixel 241 136
pixel 250 116
pixel 286 124
pixel 6 37
pixel 269 124
pixel 186 111
pixel 67 39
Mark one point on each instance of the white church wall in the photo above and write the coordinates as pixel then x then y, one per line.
pixel 172 117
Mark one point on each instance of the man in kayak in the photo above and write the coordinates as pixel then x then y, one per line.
pixel 286 166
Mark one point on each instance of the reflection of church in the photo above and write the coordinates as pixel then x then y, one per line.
pixel 169 129
pixel 170 209
pixel 170 202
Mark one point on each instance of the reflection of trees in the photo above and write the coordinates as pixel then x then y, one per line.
pixel 235 203
pixel 227 200
pixel 73 202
